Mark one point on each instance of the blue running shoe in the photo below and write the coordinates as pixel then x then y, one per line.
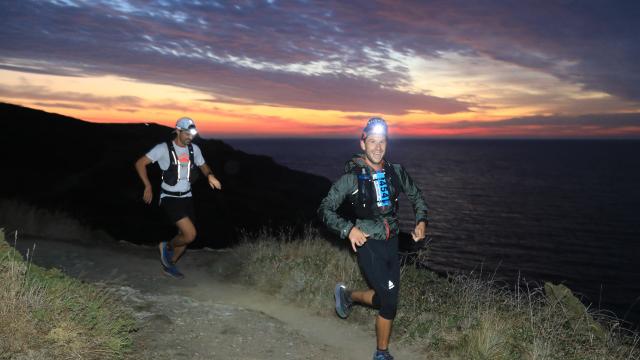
pixel 166 254
pixel 343 301
pixel 382 355
pixel 172 271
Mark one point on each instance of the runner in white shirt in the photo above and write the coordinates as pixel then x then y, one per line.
pixel 178 160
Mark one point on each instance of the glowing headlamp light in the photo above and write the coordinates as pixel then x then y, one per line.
pixel 378 129
pixel 193 131
pixel 375 126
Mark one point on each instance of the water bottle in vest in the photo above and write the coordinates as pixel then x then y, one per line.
pixel 363 188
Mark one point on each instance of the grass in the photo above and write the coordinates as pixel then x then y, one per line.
pixel 453 317
pixel 47 315
pixel 33 220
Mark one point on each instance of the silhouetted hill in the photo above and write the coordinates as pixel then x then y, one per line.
pixel 86 169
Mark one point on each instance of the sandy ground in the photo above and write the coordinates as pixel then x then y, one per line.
pixel 204 316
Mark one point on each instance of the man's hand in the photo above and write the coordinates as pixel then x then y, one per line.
pixel 357 238
pixel 147 195
pixel 213 182
pixel 419 232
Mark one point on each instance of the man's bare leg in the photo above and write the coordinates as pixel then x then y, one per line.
pixel 186 234
pixel 383 326
pixel 363 297
pixel 383 332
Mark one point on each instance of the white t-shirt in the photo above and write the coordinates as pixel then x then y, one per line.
pixel 160 153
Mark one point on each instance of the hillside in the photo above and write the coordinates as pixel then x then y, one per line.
pixel 86 171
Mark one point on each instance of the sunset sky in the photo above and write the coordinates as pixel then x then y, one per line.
pixel 321 68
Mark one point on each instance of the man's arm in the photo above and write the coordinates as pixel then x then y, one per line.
pixel 327 210
pixel 213 181
pixel 141 169
pixel 420 207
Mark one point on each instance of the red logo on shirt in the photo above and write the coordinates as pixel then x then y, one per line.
pixel 183 159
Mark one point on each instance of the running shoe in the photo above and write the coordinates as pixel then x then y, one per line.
pixel 382 355
pixel 172 271
pixel 343 301
pixel 166 254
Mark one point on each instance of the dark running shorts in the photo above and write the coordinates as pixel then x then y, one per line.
pixel 380 264
pixel 177 208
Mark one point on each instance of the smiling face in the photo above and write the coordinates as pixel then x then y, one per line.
pixel 374 147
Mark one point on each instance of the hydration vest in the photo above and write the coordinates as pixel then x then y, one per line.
pixel 172 174
pixel 376 194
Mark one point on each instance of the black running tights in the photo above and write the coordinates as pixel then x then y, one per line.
pixel 381 267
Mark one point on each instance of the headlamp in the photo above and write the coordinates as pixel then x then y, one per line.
pixel 186 124
pixel 378 129
pixel 375 126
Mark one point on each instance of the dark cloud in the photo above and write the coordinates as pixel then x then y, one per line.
pixel 61 105
pixel 589 42
pixel 598 120
pixel 41 68
pixel 32 92
pixel 361 117
pixel 128 110
pixel 242 51
pixel 234 52
pixel 592 121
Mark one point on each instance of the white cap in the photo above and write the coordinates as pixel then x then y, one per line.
pixel 185 123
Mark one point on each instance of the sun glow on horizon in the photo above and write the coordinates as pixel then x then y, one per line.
pixel 111 99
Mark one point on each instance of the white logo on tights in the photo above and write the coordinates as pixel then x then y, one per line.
pixel 391 286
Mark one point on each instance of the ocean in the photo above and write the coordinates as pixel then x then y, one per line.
pixel 566 211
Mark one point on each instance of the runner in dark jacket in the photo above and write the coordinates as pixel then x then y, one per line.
pixel 372 185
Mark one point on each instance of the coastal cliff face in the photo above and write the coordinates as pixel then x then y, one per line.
pixel 86 170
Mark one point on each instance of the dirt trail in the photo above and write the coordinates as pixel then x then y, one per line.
pixel 203 316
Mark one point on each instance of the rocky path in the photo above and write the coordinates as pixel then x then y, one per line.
pixel 204 316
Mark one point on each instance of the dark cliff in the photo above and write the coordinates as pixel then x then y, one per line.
pixel 86 170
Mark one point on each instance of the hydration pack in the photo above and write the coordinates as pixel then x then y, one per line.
pixel 172 174
pixel 377 192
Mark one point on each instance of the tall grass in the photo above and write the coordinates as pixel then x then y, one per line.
pixel 33 220
pixel 47 315
pixel 453 317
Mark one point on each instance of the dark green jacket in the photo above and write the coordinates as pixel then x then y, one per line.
pixel 376 228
